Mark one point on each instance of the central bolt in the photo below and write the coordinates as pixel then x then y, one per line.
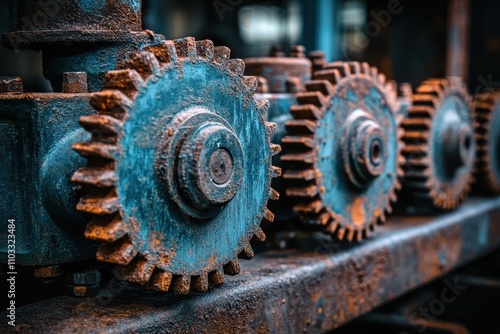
pixel 364 148
pixel 221 166
pixel 459 141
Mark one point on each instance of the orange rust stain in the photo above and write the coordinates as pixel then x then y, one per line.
pixel 358 212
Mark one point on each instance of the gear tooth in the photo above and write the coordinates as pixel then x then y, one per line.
pixel 127 81
pixel 297 127
pixel 355 67
pixel 144 63
pixel 332 227
pixel 275 149
pixel 185 47
pixel 331 75
pixel 366 232
pixel 262 107
pixel 95 177
pixel 221 55
pixel 160 280
pixel 381 78
pixel 374 72
pixel 303 192
pixel 358 235
pixel 270 128
pixel 216 277
pixel 298 142
pixel 111 102
pixel 388 209
pixel 247 253
pixel 199 283
pixel 205 48
pixel 251 83
pixel 232 268
pixel 366 69
pixel 139 271
pixel 236 66
pixel 307 157
pixel 93 149
pixel 259 235
pixel 105 229
pixel 268 215
pixel 314 98
pixel 342 67
pixel 165 52
pixel 103 124
pixel 180 284
pixel 121 252
pixel 341 232
pixel 350 234
pixel 300 174
pixel 313 207
pixel 273 194
pixel 98 204
pixel 382 218
pixel 323 86
pixel 275 172
pixel 308 111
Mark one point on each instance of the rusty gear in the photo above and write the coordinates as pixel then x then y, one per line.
pixel 487 128
pixel 179 166
pixel 440 145
pixel 342 154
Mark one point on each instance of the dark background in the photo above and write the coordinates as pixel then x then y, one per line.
pixel 409 46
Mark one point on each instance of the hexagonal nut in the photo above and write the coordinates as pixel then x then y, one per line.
pixel 83 291
pixel 89 277
pixel 48 272
pixel 11 85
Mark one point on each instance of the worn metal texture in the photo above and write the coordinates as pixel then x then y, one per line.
pixel 36 134
pixel 281 77
pixel 315 289
pixel 342 153
pixel 487 130
pixel 180 182
pixel 80 36
pixel 440 145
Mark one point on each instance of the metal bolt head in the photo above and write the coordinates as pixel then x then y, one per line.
pixel 75 82
pixel 89 277
pixel 11 85
pixel 48 272
pixel 83 291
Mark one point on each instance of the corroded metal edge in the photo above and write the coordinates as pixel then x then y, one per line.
pixel 314 290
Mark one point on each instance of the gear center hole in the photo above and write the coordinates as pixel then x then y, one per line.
pixel 221 166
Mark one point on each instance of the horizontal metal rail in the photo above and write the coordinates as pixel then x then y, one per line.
pixel 315 288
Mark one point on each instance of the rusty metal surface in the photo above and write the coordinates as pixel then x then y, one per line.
pixel 342 154
pixel 457 53
pixel 179 166
pixel 314 289
pixel 487 130
pixel 440 145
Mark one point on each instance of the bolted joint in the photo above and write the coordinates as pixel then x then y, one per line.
pixel 201 160
pixel 364 148
pixel 210 165
pixel 75 82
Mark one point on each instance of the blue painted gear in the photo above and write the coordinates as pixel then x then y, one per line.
pixel 487 129
pixel 440 145
pixel 342 155
pixel 179 166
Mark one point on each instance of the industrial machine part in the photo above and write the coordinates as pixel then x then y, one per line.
pixel 38 129
pixel 342 152
pixel 440 145
pixel 487 128
pixel 404 91
pixel 280 79
pixel 179 166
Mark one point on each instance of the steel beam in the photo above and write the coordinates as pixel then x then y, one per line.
pixel 313 289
